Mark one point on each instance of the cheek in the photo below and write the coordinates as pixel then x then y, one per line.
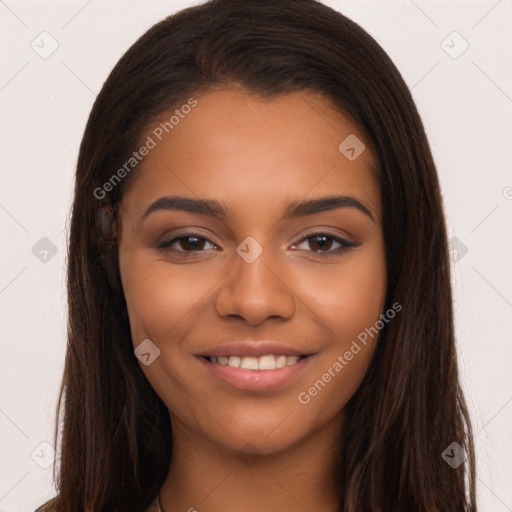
pixel 160 302
pixel 158 296
pixel 347 297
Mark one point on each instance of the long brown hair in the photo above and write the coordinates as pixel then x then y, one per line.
pixel 116 443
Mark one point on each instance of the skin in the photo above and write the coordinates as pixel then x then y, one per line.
pixel 239 449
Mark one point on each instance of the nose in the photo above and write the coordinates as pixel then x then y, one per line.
pixel 256 291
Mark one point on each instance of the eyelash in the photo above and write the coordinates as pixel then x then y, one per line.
pixel 345 244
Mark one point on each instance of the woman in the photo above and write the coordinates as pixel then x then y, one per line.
pixel 260 312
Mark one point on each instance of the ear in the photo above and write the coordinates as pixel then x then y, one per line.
pixel 106 224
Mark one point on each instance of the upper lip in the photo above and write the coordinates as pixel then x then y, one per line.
pixel 253 348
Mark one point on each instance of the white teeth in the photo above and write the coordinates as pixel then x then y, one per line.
pixel 266 362
pixel 291 360
pixel 280 361
pixel 249 363
pixel 234 361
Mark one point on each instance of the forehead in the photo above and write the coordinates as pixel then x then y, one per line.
pixel 235 145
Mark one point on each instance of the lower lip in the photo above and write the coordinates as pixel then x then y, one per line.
pixel 256 380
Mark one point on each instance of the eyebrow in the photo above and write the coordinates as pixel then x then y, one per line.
pixel 221 211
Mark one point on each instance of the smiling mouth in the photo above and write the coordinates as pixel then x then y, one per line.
pixel 266 362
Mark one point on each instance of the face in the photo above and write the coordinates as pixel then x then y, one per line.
pixel 263 274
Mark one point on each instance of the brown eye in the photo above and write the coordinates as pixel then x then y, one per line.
pixel 191 243
pixel 322 243
pixel 188 242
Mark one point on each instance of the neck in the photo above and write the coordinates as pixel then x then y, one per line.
pixel 207 478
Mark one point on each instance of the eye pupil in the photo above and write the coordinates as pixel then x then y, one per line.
pixel 194 246
pixel 323 245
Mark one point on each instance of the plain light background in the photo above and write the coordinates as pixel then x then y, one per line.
pixel 464 98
